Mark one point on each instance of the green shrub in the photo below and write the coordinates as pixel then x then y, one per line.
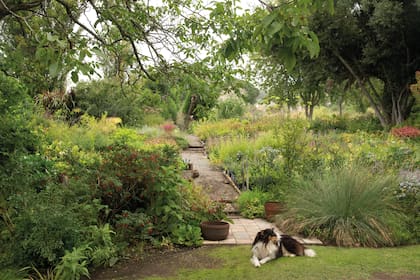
pixel 15 110
pixel 109 97
pixel 292 144
pixel 345 207
pixel 133 226
pixel 141 187
pixel 407 193
pixel 366 122
pixel 230 108
pixel 47 224
pixel 73 264
pixel 251 203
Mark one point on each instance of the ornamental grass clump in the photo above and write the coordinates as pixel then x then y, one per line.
pixel 345 207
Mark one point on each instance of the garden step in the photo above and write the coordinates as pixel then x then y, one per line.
pixel 194 142
pixel 230 209
pixel 196 149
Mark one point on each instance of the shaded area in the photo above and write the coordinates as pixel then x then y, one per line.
pixel 160 263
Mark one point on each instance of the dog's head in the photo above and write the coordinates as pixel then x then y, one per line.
pixel 265 236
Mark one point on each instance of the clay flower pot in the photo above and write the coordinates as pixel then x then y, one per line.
pixel 272 208
pixel 214 230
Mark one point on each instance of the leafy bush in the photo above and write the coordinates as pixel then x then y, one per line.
pixel 230 108
pixel 407 193
pixel 251 203
pixel 133 226
pixel 292 143
pixel 366 122
pixel 48 223
pixel 15 110
pixel 73 264
pixel 345 207
pixel 109 97
pixel 144 184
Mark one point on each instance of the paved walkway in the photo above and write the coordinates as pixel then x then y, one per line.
pixel 210 178
pixel 242 231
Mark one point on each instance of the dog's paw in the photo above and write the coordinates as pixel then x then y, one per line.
pixel 255 262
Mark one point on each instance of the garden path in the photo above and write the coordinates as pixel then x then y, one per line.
pixel 220 188
pixel 209 177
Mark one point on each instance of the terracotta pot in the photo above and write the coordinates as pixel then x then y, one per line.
pixel 214 230
pixel 272 208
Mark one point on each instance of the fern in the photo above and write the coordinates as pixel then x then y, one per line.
pixel 73 264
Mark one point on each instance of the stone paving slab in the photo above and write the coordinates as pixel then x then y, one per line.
pixel 194 142
pixel 243 231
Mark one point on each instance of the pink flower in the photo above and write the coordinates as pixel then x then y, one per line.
pixel 168 127
pixel 406 132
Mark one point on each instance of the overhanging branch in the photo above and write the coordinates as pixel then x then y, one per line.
pixel 378 112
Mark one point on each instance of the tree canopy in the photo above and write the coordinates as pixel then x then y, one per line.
pixel 374 39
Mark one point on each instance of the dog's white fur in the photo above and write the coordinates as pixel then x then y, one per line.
pixel 272 248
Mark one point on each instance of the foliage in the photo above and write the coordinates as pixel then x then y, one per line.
pixel 133 227
pixel 73 265
pixel 110 97
pixel 232 127
pixel 358 44
pixel 346 207
pixel 251 203
pixel 48 223
pixel 15 109
pixel 201 206
pixel 292 135
pixel 141 190
pixel 280 31
pixel 230 108
pixel 349 124
pixel 407 193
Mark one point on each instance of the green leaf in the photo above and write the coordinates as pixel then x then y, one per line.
pixel 74 77
pixel 313 44
pixel 274 28
pixel 288 57
pixel 268 19
pixel 51 38
pixel 54 69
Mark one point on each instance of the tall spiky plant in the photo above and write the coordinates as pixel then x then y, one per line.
pixel 345 207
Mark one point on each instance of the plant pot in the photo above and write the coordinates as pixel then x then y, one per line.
pixel 214 230
pixel 272 208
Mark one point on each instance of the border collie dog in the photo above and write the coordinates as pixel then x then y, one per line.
pixel 269 245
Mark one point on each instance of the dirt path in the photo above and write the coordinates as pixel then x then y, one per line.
pixel 159 263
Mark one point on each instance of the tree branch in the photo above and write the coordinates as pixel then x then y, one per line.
pixel 11 8
pixel 364 90
pixel 125 35
pixel 75 20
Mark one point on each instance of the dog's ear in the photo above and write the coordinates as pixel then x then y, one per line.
pixel 258 237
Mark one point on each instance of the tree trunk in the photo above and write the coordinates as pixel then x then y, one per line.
pixel 190 111
pixel 376 107
pixel 400 104
pixel 309 111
